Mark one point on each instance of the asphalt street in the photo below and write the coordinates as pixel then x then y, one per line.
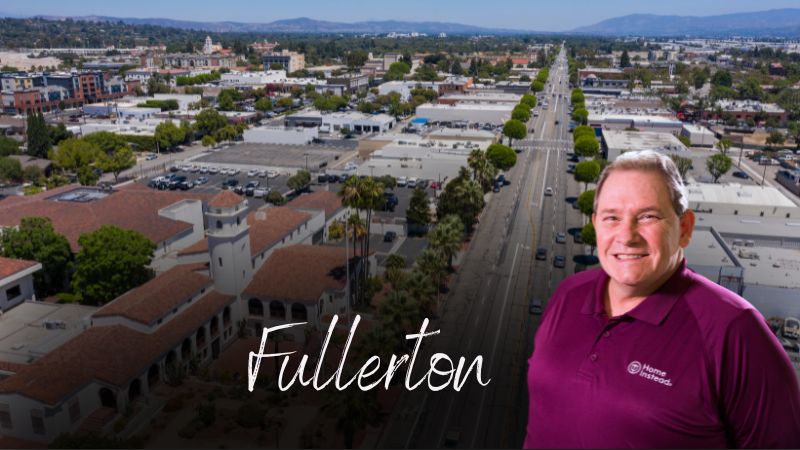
pixel 487 310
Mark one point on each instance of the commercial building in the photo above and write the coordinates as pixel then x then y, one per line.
pixel 698 135
pixel 486 98
pixel 734 199
pixel 24 93
pixel 596 77
pixel 290 61
pixel 744 110
pixel 639 122
pixel 496 114
pixel 281 135
pixel 617 142
pixel 334 122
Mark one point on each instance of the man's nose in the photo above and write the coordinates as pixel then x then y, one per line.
pixel 629 232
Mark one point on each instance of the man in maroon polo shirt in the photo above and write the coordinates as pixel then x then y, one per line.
pixel 644 352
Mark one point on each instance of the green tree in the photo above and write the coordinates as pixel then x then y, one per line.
pixel 397 71
pixel 447 237
pixel 356 59
pixel 537 86
pixel 723 145
pixel 483 171
pixel 87 176
pixel 528 100
pixel 106 141
pixel 750 89
pixel 722 78
pixel 8 146
pixel 117 162
pixel 168 135
pixel 581 116
pixel 456 68
pixel 38 136
pixel 58 133
pixel 434 266
pixel 36 240
pixel 285 102
pixel 209 121
pixel 501 156
pixel 718 165
pixel 208 141
pixel 111 261
pixel 587 146
pixel 521 112
pixel 581 131
pixel 625 59
pixel 586 202
pixel 587 172
pixel 10 169
pixel 682 163
pixel 418 213
pixel 514 129
pixel 776 138
pixel 75 154
pixel 263 104
pixel 462 196
pixel 577 96
pixel 394 269
pixel 589 236
pixel 299 181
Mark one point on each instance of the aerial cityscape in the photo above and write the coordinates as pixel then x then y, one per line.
pixel 184 192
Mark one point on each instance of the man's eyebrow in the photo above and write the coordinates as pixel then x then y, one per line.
pixel 638 211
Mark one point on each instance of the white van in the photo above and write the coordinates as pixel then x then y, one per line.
pixel 412 182
pixel 402 181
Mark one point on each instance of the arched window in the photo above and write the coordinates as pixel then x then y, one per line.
pixel 219 224
pixel 277 310
pixel 299 312
pixel 255 307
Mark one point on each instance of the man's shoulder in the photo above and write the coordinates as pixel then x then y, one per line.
pixel 582 283
pixel 715 307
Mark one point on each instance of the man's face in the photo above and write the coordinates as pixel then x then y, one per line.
pixel 639 235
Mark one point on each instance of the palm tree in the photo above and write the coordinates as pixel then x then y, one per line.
pixel 446 238
pixel 399 312
pixel 394 266
pixel 421 288
pixel 353 410
pixel 433 265
pixel 483 171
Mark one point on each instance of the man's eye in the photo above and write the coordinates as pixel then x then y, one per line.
pixel 649 217
pixel 610 219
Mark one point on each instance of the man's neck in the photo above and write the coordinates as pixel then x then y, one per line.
pixel 620 298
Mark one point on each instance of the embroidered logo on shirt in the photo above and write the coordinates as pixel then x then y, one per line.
pixel 649 372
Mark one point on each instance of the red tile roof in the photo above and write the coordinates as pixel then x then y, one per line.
pixel 225 199
pixel 328 201
pixel 113 354
pixel 154 299
pixel 299 273
pixel 200 246
pixel 270 225
pixel 10 266
pixel 134 207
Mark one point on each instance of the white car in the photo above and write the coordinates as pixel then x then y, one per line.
pixel 548 191
pixel 235 171
pixel 412 182
pixel 272 174
pixel 402 181
pixel 260 192
pixel 213 170
pixel 204 169
pixel 262 174
pixel 252 172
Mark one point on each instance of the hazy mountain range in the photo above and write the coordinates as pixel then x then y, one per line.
pixel 776 22
pixel 779 23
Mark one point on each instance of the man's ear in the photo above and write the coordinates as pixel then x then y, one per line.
pixel 687 227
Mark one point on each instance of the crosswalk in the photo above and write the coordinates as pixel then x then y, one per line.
pixel 548 148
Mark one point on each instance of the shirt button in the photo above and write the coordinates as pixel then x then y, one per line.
pixel 606 334
pixel 593 357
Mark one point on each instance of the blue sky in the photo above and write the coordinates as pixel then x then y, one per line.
pixel 520 14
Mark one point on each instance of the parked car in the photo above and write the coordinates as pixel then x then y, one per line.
pixel 536 306
pixel 559 261
pixel 204 169
pixel 262 174
pixel 741 174
pixel 422 184
pixel 389 236
pixel 229 184
pixel 412 182
pixel 201 180
pixel 151 157
pixel 252 172
pixel 561 237
pixel 322 178
pixel 272 174
pixel 185 185
pixel 541 253
pixel 213 170
pixel 390 202
pixel 402 181
pixel 261 192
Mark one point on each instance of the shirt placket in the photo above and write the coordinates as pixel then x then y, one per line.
pixel 600 347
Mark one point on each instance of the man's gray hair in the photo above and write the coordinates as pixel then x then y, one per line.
pixel 651 161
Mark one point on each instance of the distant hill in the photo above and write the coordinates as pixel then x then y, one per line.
pixel 303 25
pixel 777 23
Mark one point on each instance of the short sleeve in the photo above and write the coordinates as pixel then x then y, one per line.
pixel 759 393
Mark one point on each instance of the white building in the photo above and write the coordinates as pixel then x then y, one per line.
pixel 16 281
pixel 471 113
pixel 281 135
pixel 616 142
pixel 735 199
pixel 357 122
pixel 253 78
pixel 699 136
pixel 640 122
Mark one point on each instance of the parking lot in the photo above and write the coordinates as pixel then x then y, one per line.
pixel 280 157
pixel 403 198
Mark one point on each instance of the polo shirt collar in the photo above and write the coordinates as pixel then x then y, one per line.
pixel 655 308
